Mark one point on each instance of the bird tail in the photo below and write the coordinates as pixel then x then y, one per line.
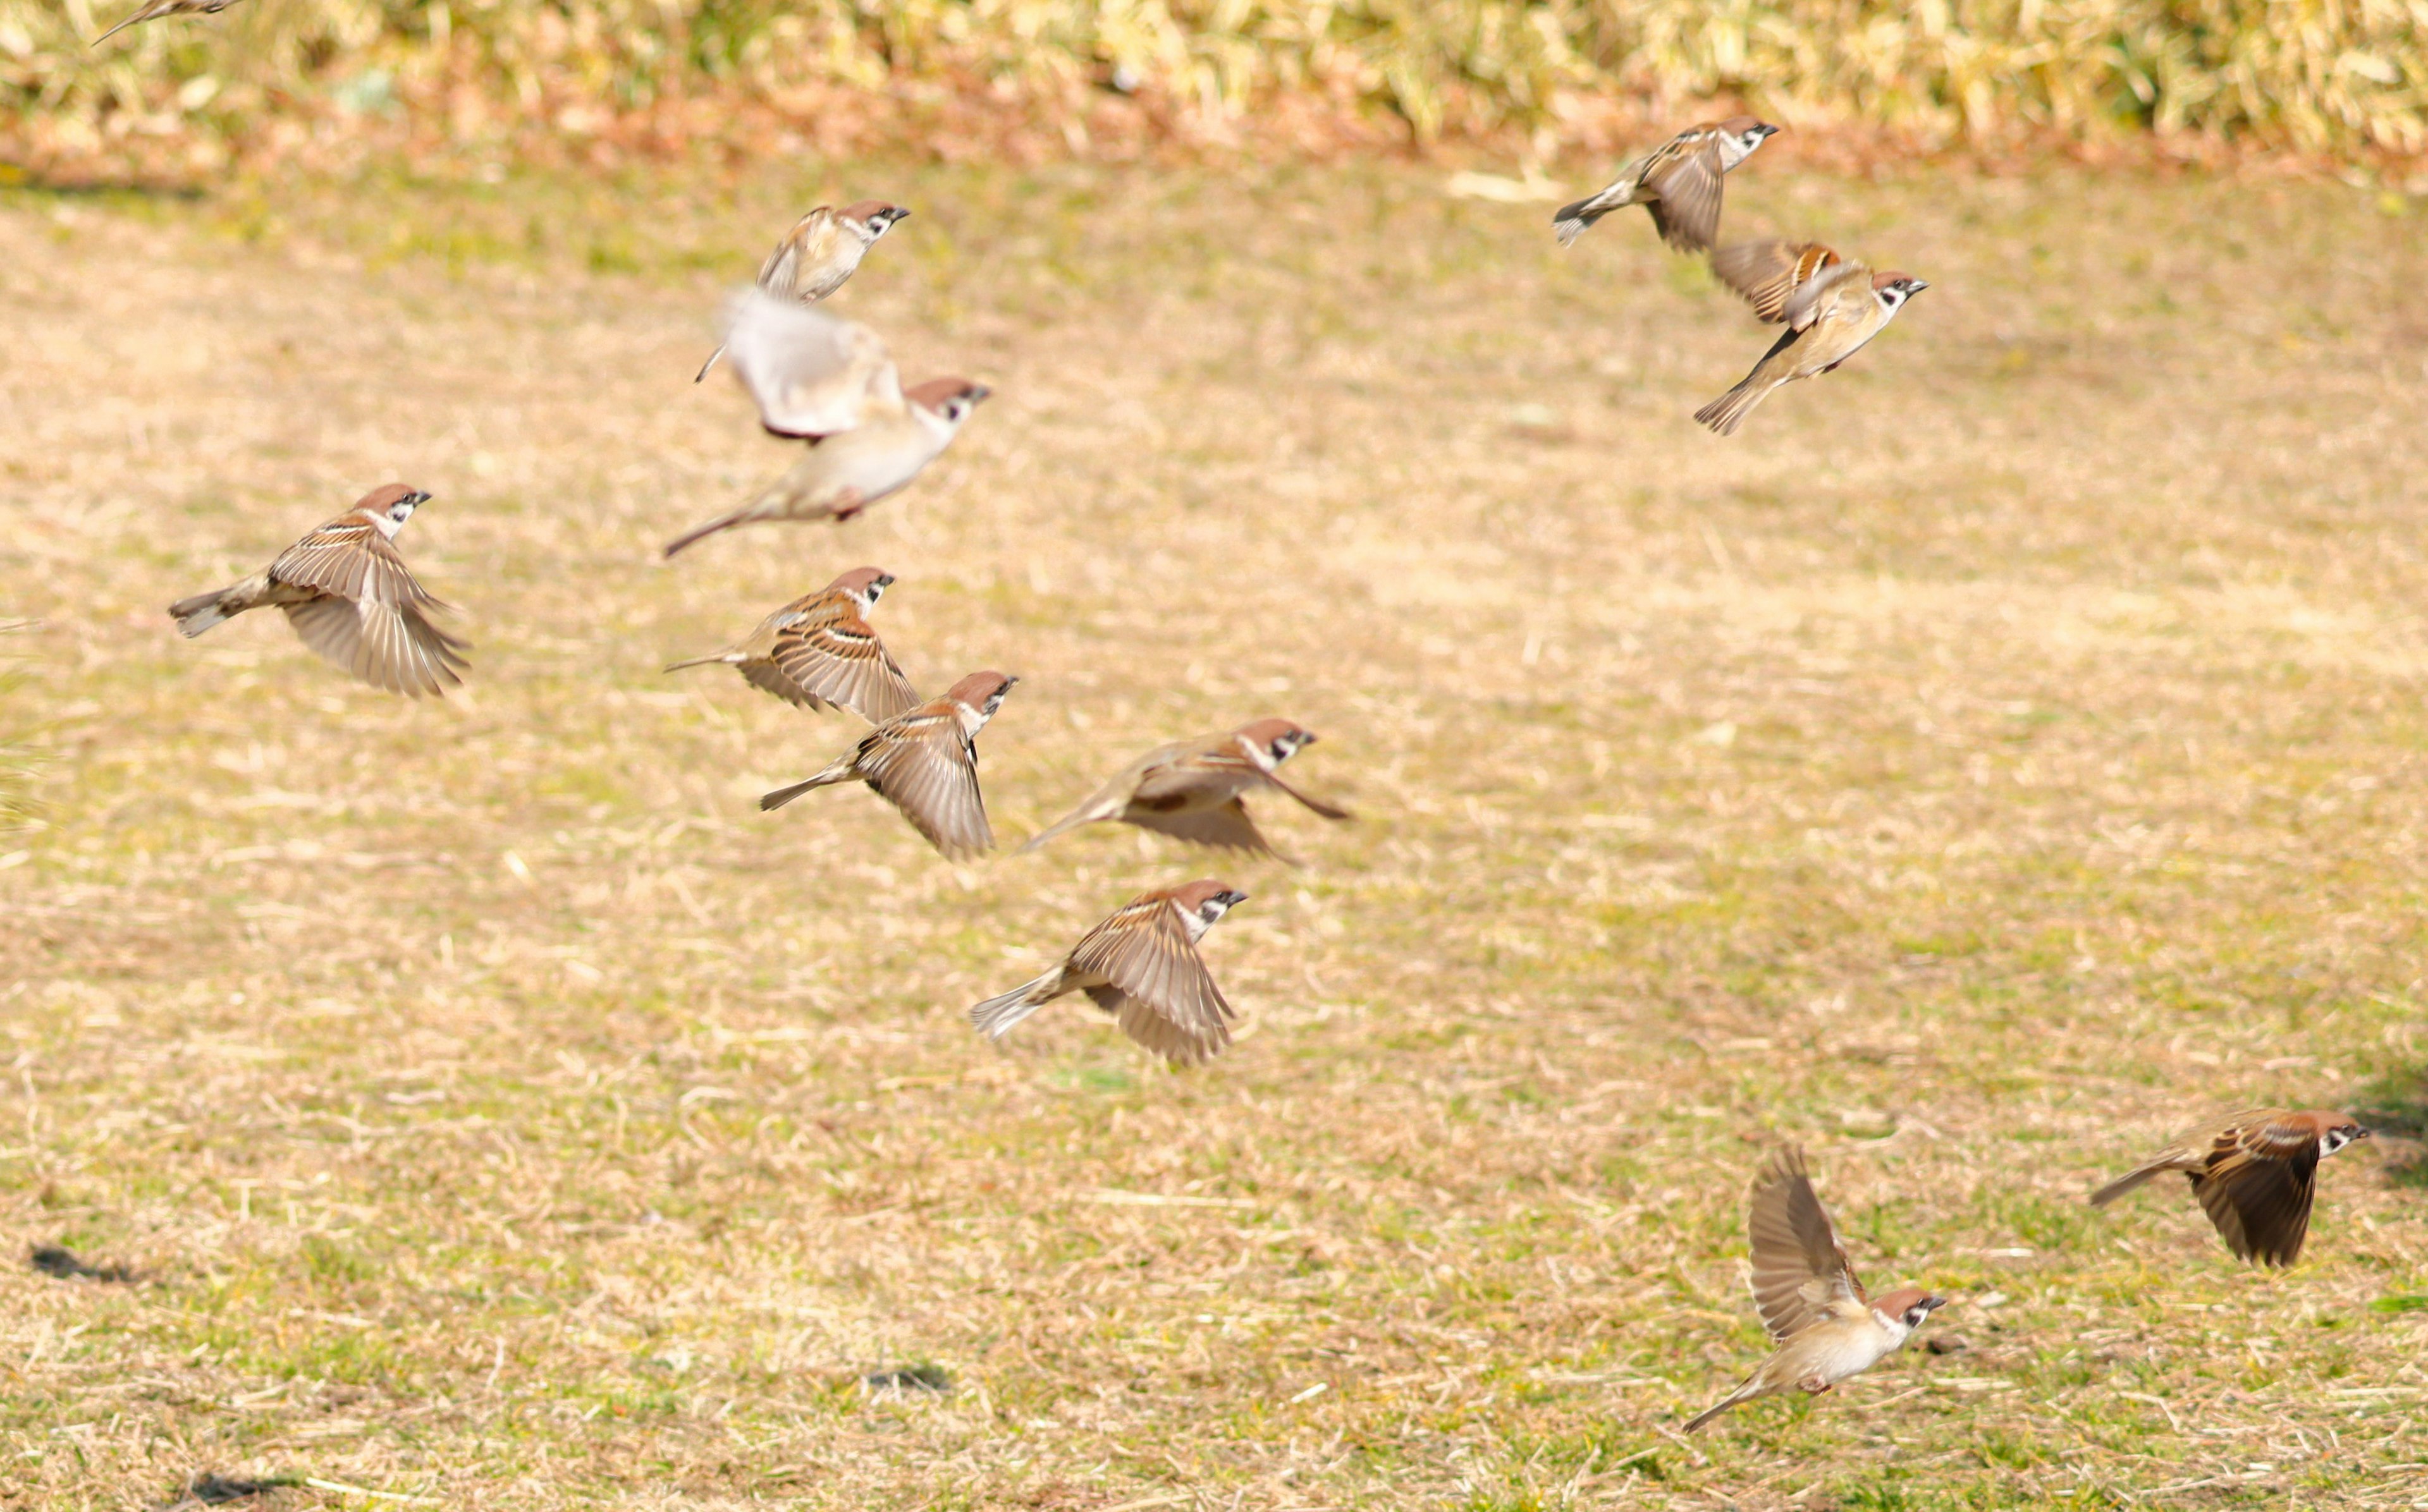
pixel 711 363
pixel 722 522
pixel 141 13
pixel 840 771
pixel 1724 413
pixel 1061 827
pixel 1570 220
pixel 996 1016
pixel 2130 1182
pixel 1751 1389
pixel 199 613
pixel 724 658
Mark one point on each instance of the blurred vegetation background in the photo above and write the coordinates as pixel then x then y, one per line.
pixel 2344 80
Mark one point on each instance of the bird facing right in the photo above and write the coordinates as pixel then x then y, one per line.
pixel 819 255
pixel 1141 966
pixel 925 764
pixel 1678 182
pixel 1805 1288
pixel 830 382
pixel 1830 306
pixel 819 652
pixel 350 598
pixel 1191 789
pixel 2253 1173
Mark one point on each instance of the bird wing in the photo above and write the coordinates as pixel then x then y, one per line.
pixel 370 619
pixel 1803 304
pixel 768 677
pixel 389 646
pixel 843 662
pixel 1801 1271
pixel 807 241
pixel 1156 986
pixel 1227 827
pixel 1327 810
pixel 811 374
pixel 922 765
pixel 349 558
pixel 2262 1174
pixel 1685 184
pixel 1767 273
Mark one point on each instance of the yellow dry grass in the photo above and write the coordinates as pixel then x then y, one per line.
pixel 2341 79
pixel 2004 748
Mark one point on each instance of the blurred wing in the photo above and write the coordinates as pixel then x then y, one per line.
pixel 843 662
pixel 1327 810
pixel 1160 991
pixel 1803 305
pixel 1767 273
pixel 389 647
pixel 2261 1178
pixel 769 677
pixel 1801 1272
pixel 811 374
pixel 924 768
pixel 1228 827
pixel 1687 186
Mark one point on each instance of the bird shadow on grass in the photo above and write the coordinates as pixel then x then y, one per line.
pixel 2396 1105
pixel 220 1491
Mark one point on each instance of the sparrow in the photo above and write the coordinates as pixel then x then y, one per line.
pixel 352 599
pixel 1141 965
pixel 830 382
pixel 1678 182
pixel 819 255
pixel 1805 1288
pixel 1191 789
pixel 2254 1172
pixel 818 652
pixel 1830 308
pixel 926 763
pixel 165 8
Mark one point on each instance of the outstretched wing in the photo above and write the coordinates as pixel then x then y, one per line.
pixel 923 767
pixel 843 662
pixel 1801 1271
pixel 1770 273
pixel 371 619
pixel 2262 1175
pixel 1159 990
pixel 1685 185
pixel 811 374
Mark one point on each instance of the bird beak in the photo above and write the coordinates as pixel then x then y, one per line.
pixel 1770 130
pixel 1931 1304
pixel 1919 285
pixel 980 391
pixel 417 498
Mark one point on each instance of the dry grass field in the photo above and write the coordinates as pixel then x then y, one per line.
pixel 2000 751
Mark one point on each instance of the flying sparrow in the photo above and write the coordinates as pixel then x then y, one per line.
pixel 1191 789
pixel 926 763
pixel 1678 182
pixel 1141 966
pixel 165 8
pixel 352 599
pixel 2254 1172
pixel 1805 1288
pixel 820 253
pixel 818 652
pixel 830 382
pixel 1830 308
